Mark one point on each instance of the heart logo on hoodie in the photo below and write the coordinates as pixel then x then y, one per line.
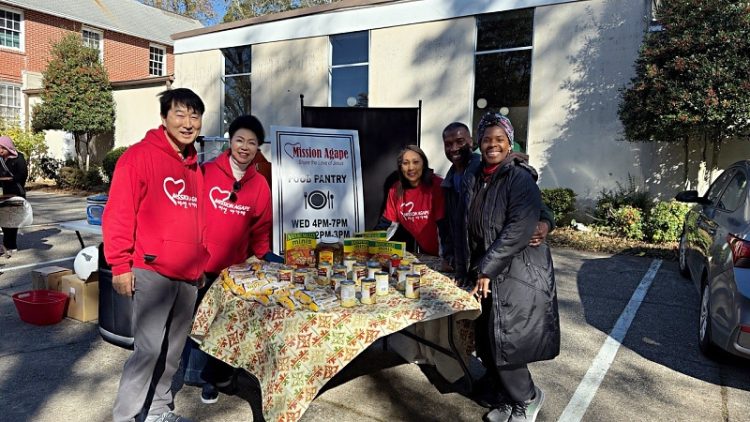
pixel 405 205
pixel 289 149
pixel 173 188
pixel 216 194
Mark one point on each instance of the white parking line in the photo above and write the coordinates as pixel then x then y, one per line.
pixel 586 390
pixel 20 267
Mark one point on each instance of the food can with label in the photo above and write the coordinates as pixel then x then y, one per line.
pixel 372 268
pixel 340 269
pixel 359 271
pixel 407 262
pixel 381 283
pixel 324 273
pixel 394 263
pixel 336 281
pixel 286 274
pixel 368 293
pixel 411 286
pixel 419 268
pixel 349 262
pixel 348 294
pixel 403 270
pixel 300 276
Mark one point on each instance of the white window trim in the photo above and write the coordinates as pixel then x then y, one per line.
pixel 21 116
pixel 101 39
pixel 331 66
pixel 22 26
pixel 164 59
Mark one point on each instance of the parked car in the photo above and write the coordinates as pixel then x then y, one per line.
pixel 714 253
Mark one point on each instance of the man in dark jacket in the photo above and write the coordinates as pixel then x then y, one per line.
pixel 458 145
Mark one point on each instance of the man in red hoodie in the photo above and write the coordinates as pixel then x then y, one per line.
pixel 153 240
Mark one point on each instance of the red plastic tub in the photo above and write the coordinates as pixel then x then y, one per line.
pixel 40 307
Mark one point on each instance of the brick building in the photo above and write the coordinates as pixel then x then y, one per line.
pixel 133 40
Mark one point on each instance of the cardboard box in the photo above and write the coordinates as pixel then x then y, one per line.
pixel 48 278
pixel 83 304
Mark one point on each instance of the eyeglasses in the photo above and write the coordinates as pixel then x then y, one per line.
pixel 236 186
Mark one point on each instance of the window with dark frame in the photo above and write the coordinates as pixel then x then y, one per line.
pixel 10 102
pixel 156 60
pixel 349 69
pixel 502 68
pixel 237 83
pixel 10 29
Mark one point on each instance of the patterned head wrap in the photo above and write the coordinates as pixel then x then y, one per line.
pixel 493 118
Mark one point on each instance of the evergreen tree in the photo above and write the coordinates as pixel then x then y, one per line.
pixel 77 96
pixel 693 77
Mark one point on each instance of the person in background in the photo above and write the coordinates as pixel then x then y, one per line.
pixel 458 146
pixel 239 221
pixel 13 174
pixel 153 240
pixel 514 281
pixel 415 202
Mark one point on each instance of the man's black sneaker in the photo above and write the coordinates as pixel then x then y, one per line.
pixel 528 410
pixel 209 394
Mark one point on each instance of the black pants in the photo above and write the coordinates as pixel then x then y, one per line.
pixel 513 381
pixel 10 238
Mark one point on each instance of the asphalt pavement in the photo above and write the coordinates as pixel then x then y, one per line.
pixel 66 372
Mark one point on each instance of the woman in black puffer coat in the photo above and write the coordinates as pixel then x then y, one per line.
pixel 13 175
pixel 514 281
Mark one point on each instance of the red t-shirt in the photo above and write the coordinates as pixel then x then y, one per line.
pixel 418 212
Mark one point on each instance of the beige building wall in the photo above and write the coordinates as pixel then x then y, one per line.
pixel 284 70
pixel 433 62
pixel 202 72
pixel 583 53
pixel 136 111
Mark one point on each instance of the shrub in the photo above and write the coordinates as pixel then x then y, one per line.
pixel 627 221
pixel 50 168
pixel 32 145
pixel 71 177
pixel 92 178
pixel 612 200
pixel 664 223
pixel 110 160
pixel 562 201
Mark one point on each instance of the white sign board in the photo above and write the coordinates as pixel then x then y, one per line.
pixel 317 182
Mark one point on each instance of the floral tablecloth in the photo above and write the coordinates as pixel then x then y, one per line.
pixel 294 353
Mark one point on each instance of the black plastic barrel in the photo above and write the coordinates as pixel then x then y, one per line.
pixel 115 310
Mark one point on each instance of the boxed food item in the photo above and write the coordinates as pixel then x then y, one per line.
pixel 357 248
pixel 373 234
pixel 382 250
pixel 83 304
pixel 48 278
pixel 299 249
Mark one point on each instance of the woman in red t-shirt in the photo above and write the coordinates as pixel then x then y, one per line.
pixel 415 202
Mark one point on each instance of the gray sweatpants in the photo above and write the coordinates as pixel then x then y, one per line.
pixel 162 313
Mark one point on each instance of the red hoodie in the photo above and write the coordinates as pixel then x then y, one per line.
pixel 153 219
pixel 235 230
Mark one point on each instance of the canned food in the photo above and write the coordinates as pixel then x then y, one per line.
pixel 368 293
pixel 411 286
pixel 407 262
pixel 393 263
pixel 300 276
pixel 349 262
pixel 419 268
pixel 381 283
pixel 324 273
pixel 340 269
pixel 286 274
pixel 403 270
pixel 336 281
pixel 359 271
pixel 348 294
pixel 372 268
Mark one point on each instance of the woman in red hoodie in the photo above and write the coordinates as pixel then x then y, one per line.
pixel 238 220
